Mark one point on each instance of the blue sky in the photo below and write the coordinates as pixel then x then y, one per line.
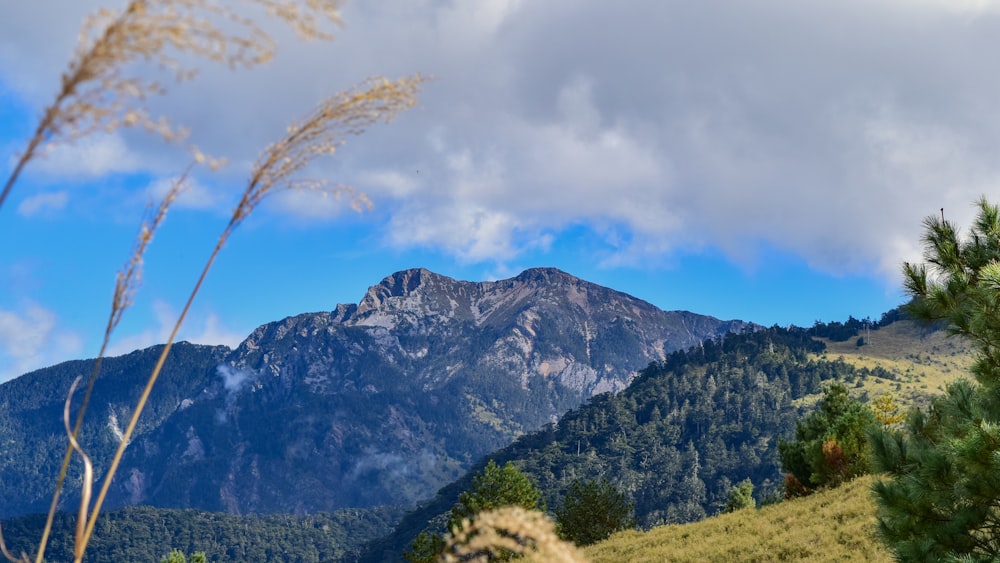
pixel 767 161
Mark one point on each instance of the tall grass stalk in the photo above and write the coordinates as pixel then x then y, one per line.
pixel 318 134
pixel 126 284
pixel 88 477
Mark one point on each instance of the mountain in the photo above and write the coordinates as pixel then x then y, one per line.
pixel 32 439
pixel 377 403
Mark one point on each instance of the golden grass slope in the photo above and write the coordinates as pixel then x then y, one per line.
pixel 832 525
pixel 921 361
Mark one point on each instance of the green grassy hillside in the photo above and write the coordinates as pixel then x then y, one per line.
pixel 920 362
pixel 832 525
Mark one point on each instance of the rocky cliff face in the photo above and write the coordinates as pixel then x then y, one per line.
pixel 384 401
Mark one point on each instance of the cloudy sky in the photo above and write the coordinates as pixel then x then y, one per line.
pixel 769 160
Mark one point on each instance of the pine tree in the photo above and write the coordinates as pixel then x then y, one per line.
pixel 940 499
pixel 691 492
pixel 887 410
pixel 495 487
pixel 740 497
pixel 831 443
pixel 593 511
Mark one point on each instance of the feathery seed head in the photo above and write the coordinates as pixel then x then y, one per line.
pixel 512 529
pixel 320 133
pixel 96 92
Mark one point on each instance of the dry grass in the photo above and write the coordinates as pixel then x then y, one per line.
pixel 318 134
pixel 509 529
pixel 832 525
pixel 921 362
pixel 104 87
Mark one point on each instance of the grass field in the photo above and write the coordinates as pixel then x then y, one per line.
pixel 832 525
pixel 920 362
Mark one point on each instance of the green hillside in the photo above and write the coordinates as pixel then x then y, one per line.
pixel 912 362
pixel 920 361
pixel 832 525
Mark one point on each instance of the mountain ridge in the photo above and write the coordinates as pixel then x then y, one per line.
pixel 377 403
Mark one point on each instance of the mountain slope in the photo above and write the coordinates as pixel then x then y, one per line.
pixel 32 439
pixel 916 361
pixel 384 402
pixel 675 440
pixel 376 403
pixel 831 525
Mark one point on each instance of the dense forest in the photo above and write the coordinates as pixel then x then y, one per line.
pixel 143 533
pixel 676 440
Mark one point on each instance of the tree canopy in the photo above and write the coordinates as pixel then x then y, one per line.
pixel 593 511
pixel 831 443
pixel 495 487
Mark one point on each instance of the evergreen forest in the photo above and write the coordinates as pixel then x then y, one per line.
pixel 143 533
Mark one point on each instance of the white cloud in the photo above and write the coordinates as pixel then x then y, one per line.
pixel 316 204
pixel 823 129
pixel 31 338
pixel 494 204
pixel 232 378
pixel 90 157
pixel 390 182
pixel 196 196
pixel 43 204
pixel 213 332
pixel 208 330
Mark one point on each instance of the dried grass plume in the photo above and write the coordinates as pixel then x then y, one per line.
pixel 319 133
pixel 511 529
pixel 126 284
pixel 102 90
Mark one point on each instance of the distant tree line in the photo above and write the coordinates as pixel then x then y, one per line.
pixel 838 331
pixel 144 533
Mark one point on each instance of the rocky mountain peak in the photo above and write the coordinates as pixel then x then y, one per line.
pixel 405 282
pixel 546 275
pixel 418 293
pixel 401 284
